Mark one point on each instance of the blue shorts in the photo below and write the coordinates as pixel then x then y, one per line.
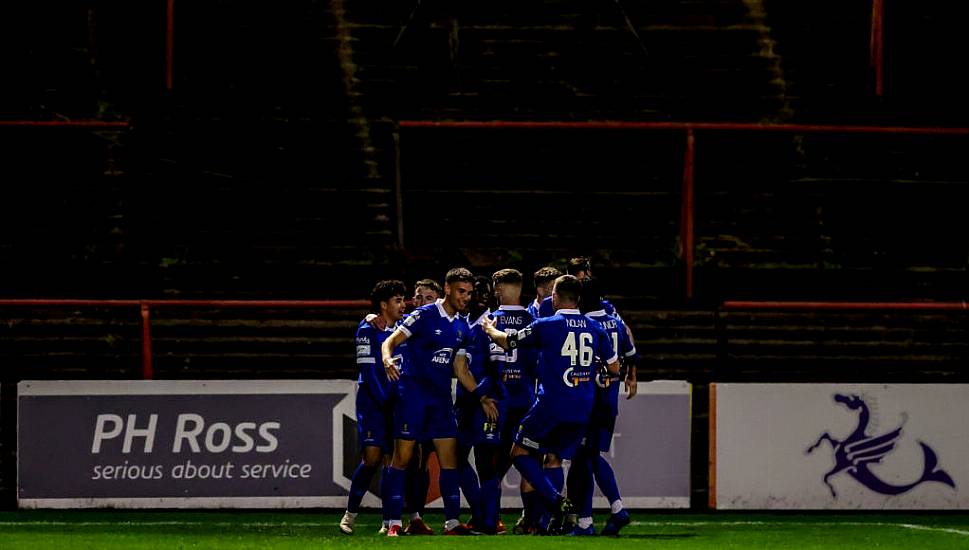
pixel 599 432
pixel 421 416
pixel 375 424
pixel 473 428
pixel 541 432
pixel 513 421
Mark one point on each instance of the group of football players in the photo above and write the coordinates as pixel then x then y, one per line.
pixel 535 386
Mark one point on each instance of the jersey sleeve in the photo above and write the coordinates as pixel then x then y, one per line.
pixel 413 323
pixel 626 347
pixel 526 337
pixel 368 360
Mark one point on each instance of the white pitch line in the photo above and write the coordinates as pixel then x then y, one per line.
pixel 801 524
pixel 927 528
pixel 166 523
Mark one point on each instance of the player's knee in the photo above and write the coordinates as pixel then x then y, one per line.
pixel 372 457
pixel 403 453
pixel 518 450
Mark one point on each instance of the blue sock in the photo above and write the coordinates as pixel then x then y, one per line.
pixel 359 484
pixel 605 478
pixel 451 493
pixel 531 503
pixel 556 476
pixel 490 493
pixel 531 470
pixel 471 490
pixel 423 486
pixel 411 488
pixel 384 496
pixel 395 492
pixel 581 485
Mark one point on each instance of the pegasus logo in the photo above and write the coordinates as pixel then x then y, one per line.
pixel 858 450
pixel 437 331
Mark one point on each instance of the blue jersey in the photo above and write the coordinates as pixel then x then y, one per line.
pixel 373 380
pixel 533 308
pixel 608 396
pixel 568 342
pixel 434 339
pixel 479 361
pixel 545 309
pixel 518 365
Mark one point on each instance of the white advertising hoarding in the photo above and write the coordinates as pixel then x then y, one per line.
pixel 839 446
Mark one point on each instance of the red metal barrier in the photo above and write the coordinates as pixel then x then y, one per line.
pixel 686 213
pixel 847 306
pixel 147 371
pixel 92 124
pixel 169 44
pixel 877 45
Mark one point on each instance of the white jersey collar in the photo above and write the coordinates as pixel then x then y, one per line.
pixel 440 309
pixel 511 308
pixel 486 313
pixel 571 311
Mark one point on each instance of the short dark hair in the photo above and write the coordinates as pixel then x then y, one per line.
pixel 383 291
pixel 507 277
pixel 458 275
pixel 431 284
pixel 546 274
pixel 577 264
pixel 568 288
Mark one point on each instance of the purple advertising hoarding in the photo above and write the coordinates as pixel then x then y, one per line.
pixel 170 444
pixel 269 444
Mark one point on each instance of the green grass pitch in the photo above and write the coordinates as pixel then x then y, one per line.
pixel 37 530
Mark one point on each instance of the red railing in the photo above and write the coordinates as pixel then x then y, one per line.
pixel 147 371
pixel 88 124
pixel 876 45
pixel 689 158
pixel 845 306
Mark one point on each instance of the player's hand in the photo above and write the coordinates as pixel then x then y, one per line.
pixel 490 409
pixel 391 368
pixel 488 324
pixel 630 387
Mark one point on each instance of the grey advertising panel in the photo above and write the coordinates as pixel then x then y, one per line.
pixel 650 449
pixel 181 443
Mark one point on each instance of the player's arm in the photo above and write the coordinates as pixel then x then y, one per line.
pixel 387 353
pixel 508 340
pixel 606 353
pixel 630 359
pixel 499 337
pixel 466 379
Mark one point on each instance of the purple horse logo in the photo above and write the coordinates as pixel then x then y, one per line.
pixel 858 450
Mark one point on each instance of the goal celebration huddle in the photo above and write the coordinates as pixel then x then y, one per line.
pixel 536 385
